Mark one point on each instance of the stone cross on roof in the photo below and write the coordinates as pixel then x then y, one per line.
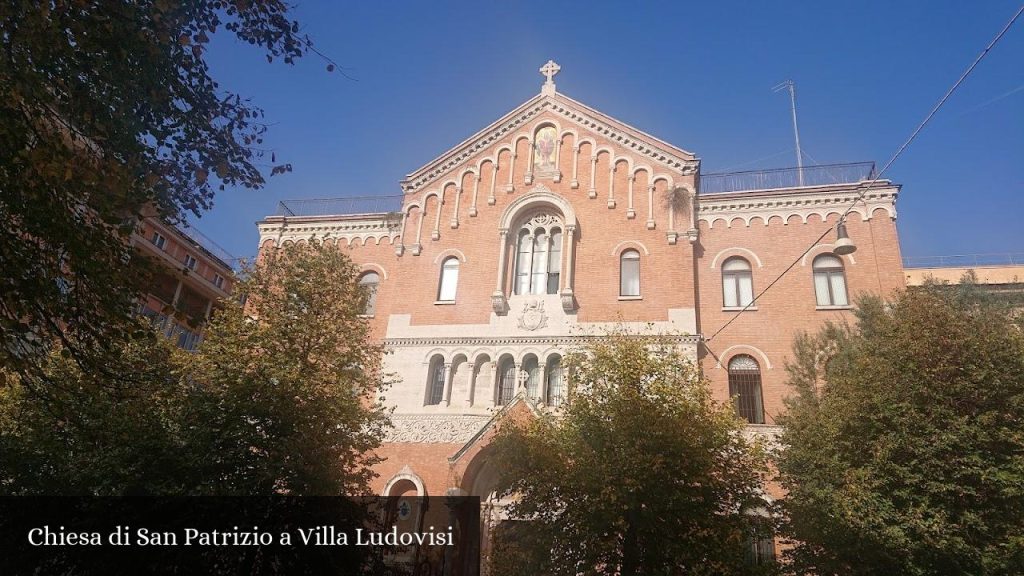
pixel 549 70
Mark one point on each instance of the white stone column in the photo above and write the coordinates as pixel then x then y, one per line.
pixel 498 301
pixel 570 248
pixel 575 183
pixel 566 294
pixel 476 189
pixel 436 234
pixel 510 186
pixel 611 182
pixel 650 207
pixel 458 202
pixel 449 375
pixel 630 211
pixel 471 393
pixel 417 247
pixel 531 146
pixel 400 248
pixel 558 159
pixel 177 294
pixel 592 191
pixel 494 181
pixel 542 386
pixel 491 401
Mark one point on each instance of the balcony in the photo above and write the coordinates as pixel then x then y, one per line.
pixel 808 176
pixel 185 338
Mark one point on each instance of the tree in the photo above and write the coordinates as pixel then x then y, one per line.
pixel 291 380
pixel 280 398
pixel 904 452
pixel 643 472
pixel 108 113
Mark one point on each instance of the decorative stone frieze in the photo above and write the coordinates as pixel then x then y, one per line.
pixel 717 209
pixel 435 428
pixel 493 341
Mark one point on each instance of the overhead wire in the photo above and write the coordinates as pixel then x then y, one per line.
pixel 867 185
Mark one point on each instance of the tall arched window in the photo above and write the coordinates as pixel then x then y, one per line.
pixel 829 281
pixel 556 384
pixel 369 283
pixel 449 280
pixel 435 383
pixel 506 381
pixel 629 273
pixel 532 368
pixel 745 387
pixel 737 283
pixel 538 255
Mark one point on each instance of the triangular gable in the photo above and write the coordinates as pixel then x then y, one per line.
pixel 518 399
pixel 653 149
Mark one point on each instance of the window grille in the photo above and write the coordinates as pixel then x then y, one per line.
pixel 436 381
pixel 556 391
pixel 745 387
pixel 506 383
pixel 760 549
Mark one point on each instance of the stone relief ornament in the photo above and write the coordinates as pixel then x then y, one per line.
pixel 441 428
pixel 533 316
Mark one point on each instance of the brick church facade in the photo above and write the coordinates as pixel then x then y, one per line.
pixel 558 220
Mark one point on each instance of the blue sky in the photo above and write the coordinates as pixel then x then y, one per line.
pixel 698 75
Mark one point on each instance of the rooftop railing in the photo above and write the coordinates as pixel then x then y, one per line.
pixel 823 175
pixel 206 243
pixel 339 206
pixel 966 260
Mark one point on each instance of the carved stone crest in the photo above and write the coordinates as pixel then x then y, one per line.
pixel 533 316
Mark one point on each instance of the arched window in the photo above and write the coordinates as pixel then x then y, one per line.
pixel 760 540
pixel 745 387
pixel 532 368
pixel 629 273
pixel 538 256
pixel 556 388
pixel 829 281
pixel 506 381
pixel 369 283
pixel 435 383
pixel 449 280
pixel 737 283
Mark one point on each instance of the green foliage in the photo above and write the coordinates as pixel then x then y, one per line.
pixel 643 472
pixel 291 380
pixel 279 398
pixel 905 450
pixel 108 113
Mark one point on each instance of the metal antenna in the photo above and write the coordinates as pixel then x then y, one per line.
pixel 796 131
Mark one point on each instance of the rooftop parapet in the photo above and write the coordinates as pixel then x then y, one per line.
pixel 781 178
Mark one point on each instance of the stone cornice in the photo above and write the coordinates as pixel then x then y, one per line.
pixel 677 160
pixel 801 202
pixel 513 340
pixel 375 226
